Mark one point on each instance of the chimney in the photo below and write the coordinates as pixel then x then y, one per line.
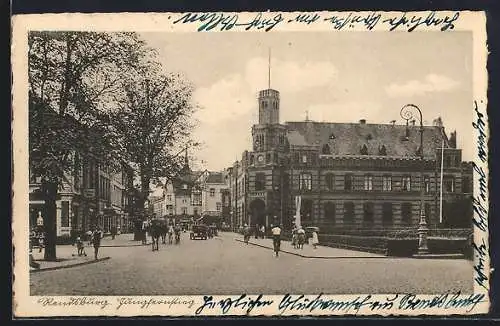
pixel 393 122
pixel 362 121
pixel 413 122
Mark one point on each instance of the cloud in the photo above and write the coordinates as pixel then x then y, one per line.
pixel 431 83
pixel 236 94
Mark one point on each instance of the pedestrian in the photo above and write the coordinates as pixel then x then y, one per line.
pixel 315 240
pixel 113 232
pixel 96 241
pixel 246 233
pixel 263 231
pixel 40 241
pixel 276 231
pixel 80 247
pixel 257 229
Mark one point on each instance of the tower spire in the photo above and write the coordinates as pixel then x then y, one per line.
pixel 186 161
pixel 269 70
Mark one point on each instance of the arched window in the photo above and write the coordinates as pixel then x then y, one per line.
pixel 382 150
pixel 330 211
pixel 364 150
pixel 368 213
pixel 306 209
pixel 326 149
pixel 387 214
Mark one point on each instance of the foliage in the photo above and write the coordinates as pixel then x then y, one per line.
pixel 72 79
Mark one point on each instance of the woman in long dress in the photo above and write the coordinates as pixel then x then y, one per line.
pixel 315 240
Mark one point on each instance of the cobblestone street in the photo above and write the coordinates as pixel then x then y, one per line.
pixel 223 265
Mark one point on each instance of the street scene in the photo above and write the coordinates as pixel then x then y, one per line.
pixel 263 164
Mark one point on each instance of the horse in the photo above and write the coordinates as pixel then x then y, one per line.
pixel 163 231
pixel 155 231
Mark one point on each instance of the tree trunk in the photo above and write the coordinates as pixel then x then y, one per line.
pixel 49 190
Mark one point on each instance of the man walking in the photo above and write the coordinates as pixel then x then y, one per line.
pixel 96 241
pixel 276 231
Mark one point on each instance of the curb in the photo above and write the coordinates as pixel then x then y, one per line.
pixel 314 257
pixel 69 266
pixel 430 256
pixel 130 245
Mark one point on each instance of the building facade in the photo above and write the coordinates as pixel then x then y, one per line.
pixel 349 175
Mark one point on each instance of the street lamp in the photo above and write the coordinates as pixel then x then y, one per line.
pixel 407 113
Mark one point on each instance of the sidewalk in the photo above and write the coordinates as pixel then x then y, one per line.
pixel 123 240
pixel 66 257
pixel 67 254
pixel 308 251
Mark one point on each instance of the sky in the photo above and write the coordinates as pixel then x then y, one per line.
pixel 334 77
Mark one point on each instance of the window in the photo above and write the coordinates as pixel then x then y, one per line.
pixel 326 149
pixel 212 192
pixel 184 210
pixel 427 211
pixel 65 213
pixel 197 198
pixel 368 213
pixel 169 197
pixel 449 184
pixel 348 212
pixel 195 211
pixel 387 214
pixel 260 181
pixel 330 211
pixel 330 181
pixel 304 158
pixel 184 186
pixel 364 150
pixel 466 185
pixel 382 150
pixel 305 181
pixel 306 209
pixel 348 182
pixel 427 184
pixel 406 213
pixel 218 206
pixel 368 182
pixel 387 183
pixel 184 200
pixel 406 183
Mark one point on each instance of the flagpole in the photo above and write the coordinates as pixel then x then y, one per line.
pixel 441 184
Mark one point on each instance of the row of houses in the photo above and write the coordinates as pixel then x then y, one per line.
pixel 348 175
pixel 190 196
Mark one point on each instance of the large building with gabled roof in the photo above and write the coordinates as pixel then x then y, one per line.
pixel 348 175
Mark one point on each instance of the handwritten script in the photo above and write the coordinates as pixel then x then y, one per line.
pixel 480 200
pixel 342 21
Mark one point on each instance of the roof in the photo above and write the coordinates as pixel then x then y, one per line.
pixel 215 177
pixel 349 138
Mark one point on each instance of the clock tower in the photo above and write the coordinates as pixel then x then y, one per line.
pixel 266 166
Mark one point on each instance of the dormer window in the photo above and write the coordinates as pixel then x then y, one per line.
pixel 382 150
pixel 326 149
pixel 364 150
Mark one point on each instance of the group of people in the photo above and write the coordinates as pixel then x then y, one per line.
pixel 95 237
pixel 298 237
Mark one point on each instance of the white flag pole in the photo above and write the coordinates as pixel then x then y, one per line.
pixel 441 184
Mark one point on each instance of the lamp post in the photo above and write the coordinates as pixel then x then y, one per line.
pixel 407 113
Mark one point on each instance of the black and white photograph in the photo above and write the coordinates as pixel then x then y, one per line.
pixel 274 168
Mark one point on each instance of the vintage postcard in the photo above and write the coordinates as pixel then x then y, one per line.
pixel 250 164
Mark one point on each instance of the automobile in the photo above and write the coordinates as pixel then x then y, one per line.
pixel 199 232
pixel 213 229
